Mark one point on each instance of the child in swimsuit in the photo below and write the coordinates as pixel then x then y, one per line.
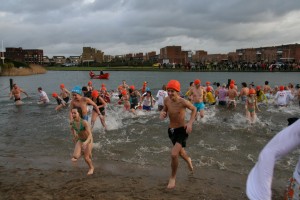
pixel 83 139
pixel 251 104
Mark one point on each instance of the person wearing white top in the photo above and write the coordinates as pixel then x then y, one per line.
pixel 43 96
pixel 283 97
pixel 259 180
pixel 161 95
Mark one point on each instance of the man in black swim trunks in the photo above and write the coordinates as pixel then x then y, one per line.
pixel 16 93
pixel 175 107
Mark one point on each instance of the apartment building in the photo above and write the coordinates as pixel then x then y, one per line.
pixel 29 56
pixel 90 54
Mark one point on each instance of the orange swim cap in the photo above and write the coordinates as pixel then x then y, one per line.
pixel 62 85
pixel 197 82
pixel 231 85
pixel 207 83
pixel 124 92
pixel 232 82
pixel 281 88
pixel 95 93
pixel 103 89
pixel 258 87
pixel 252 91
pixel 208 89
pixel 90 83
pixel 132 87
pixel 174 85
pixel 54 94
pixel 103 85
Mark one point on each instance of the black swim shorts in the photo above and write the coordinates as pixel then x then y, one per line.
pixel 178 135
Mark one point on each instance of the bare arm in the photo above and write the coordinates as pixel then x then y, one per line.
pixel 90 136
pixel 192 117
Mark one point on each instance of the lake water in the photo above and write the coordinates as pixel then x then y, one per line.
pixel 35 136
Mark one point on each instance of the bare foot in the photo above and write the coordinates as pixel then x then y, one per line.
pixel 74 159
pixel 171 184
pixel 91 171
pixel 190 165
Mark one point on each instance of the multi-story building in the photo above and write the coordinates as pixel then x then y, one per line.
pixel 76 60
pixel 284 53
pixel 199 55
pixel 29 56
pixel 59 60
pixel 90 54
pixel 171 54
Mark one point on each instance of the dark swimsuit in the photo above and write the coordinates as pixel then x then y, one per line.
pixel 17 99
pixel 81 128
pixel 178 135
pixel 99 103
pixel 133 101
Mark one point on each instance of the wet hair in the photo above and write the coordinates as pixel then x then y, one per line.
pixel 130 90
pixel 164 87
pixel 40 88
pixel 84 88
pixel 244 84
pixel 266 82
pixel 218 84
pixel 191 83
pixel 149 92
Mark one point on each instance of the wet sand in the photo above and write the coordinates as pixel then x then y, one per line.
pixel 115 180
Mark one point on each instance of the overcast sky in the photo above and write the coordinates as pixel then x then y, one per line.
pixel 63 27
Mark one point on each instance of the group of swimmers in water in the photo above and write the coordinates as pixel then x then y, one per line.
pixel 171 103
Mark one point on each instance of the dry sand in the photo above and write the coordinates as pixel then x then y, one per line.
pixel 119 181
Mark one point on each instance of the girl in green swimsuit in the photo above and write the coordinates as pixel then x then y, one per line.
pixel 251 104
pixel 83 139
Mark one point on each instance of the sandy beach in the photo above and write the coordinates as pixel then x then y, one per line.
pixel 114 180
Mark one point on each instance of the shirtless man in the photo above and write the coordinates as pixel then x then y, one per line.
pixel 64 94
pixel 83 139
pixel 267 90
pixel 198 93
pixel 81 103
pixel 244 92
pixel 16 93
pixel 175 107
pixel 232 94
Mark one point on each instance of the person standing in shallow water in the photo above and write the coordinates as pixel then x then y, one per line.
pixel 175 107
pixel 83 139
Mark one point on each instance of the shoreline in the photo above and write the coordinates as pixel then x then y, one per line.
pixel 118 180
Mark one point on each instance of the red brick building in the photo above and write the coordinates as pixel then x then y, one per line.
pixel 171 53
pixel 25 55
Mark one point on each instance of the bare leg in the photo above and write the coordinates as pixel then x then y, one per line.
pixel 87 158
pixel 77 152
pixel 174 165
pixel 102 120
pixel 187 159
pixel 202 113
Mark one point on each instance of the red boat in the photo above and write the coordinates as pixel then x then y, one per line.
pixel 100 76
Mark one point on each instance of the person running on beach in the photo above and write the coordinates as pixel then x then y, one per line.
pixel 60 102
pixel 222 95
pixel 198 94
pixel 134 98
pixel 261 97
pixel 282 97
pixel 161 95
pixel 99 101
pixel 83 139
pixel 175 107
pixel 267 90
pixel 210 98
pixel 65 94
pixel 90 86
pixel 244 92
pixel 147 101
pixel 232 94
pixel 43 96
pixel 122 87
pixel 16 93
pixel 251 105
pixel 80 102
pixel 125 100
pixel 259 180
